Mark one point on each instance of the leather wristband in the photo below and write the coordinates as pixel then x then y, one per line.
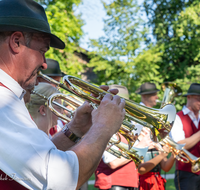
pixel 70 134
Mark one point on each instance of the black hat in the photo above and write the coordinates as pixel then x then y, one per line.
pixel 53 69
pixel 147 88
pixel 26 16
pixel 123 91
pixel 193 90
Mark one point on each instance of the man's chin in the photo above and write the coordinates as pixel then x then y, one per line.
pixel 29 86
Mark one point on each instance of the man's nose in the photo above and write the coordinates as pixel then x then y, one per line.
pixel 44 66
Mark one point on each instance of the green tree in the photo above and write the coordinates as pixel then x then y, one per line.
pixel 67 26
pixel 175 26
pixel 113 53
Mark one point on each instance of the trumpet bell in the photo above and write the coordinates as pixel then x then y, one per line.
pixel 171 90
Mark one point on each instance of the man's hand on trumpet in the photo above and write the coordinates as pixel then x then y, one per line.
pixel 82 120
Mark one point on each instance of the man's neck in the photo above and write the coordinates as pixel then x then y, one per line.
pixel 196 112
pixel 146 104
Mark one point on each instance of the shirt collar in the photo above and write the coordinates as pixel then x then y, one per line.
pixel 13 85
pixel 186 110
pixel 141 103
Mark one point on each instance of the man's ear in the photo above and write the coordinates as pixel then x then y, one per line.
pixel 42 110
pixel 16 41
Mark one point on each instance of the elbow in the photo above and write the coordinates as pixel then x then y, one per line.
pixel 166 169
pixel 141 171
pixel 112 166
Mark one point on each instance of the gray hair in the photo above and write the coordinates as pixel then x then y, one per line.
pixel 27 36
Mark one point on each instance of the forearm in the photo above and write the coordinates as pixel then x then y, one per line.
pixel 190 141
pixel 89 152
pixel 149 165
pixel 166 164
pixel 118 162
pixel 62 142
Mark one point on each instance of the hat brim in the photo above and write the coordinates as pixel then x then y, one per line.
pixel 55 42
pixel 190 94
pixel 56 75
pixel 149 92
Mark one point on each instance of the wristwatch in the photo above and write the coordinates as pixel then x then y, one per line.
pixel 70 134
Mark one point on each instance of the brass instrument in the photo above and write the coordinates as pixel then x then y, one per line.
pixel 182 154
pixel 171 90
pixel 136 154
pixel 160 121
pixel 51 100
pixel 133 153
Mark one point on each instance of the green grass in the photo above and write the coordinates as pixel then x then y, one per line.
pixel 170 185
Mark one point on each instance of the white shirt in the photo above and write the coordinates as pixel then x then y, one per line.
pixel 177 132
pixel 26 152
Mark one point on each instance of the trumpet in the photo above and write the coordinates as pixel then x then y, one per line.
pixel 182 154
pixel 159 121
pixel 125 150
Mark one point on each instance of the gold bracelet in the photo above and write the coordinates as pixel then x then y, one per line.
pixel 70 134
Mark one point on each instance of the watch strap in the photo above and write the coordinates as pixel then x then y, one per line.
pixel 70 134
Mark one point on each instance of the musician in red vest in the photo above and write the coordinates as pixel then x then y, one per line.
pixel 186 130
pixel 118 173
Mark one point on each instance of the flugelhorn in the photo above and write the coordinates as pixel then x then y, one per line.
pixel 160 121
pixel 182 154
pixel 136 154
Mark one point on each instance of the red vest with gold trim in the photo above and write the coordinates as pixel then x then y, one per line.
pixel 189 128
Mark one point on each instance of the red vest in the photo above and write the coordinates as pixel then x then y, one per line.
pixel 126 175
pixel 7 183
pixel 189 128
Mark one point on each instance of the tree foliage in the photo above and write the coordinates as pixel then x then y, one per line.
pixel 66 26
pixel 163 48
pixel 113 58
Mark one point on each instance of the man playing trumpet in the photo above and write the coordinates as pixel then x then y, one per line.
pixel 186 130
pixel 27 155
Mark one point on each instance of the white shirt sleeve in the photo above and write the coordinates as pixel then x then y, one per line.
pixel 177 132
pixel 108 157
pixel 28 154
